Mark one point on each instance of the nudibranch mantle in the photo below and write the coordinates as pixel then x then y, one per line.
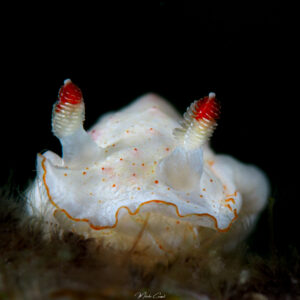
pixel 144 168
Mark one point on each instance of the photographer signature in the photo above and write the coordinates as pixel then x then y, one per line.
pixel 149 295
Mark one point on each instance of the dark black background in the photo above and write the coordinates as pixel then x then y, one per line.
pixel 181 52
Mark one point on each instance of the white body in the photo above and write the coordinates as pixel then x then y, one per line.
pixel 142 190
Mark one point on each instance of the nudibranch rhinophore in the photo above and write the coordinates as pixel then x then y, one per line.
pixel 144 178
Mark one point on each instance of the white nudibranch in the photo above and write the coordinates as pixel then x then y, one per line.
pixel 145 172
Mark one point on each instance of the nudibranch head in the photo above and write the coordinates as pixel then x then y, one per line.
pixel 144 178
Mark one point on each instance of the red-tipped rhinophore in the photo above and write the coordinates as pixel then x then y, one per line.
pixel 68 111
pixel 207 108
pixel 199 122
pixel 70 93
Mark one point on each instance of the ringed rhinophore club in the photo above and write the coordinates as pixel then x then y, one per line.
pixel 144 178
